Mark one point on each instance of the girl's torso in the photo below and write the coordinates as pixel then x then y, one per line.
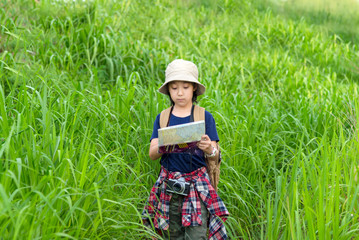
pixel 191 159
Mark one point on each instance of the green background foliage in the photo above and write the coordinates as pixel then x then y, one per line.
pixel 78 98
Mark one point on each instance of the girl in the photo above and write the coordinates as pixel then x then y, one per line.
pixel 185 216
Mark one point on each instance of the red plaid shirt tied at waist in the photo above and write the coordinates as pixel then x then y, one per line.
pixel 157 207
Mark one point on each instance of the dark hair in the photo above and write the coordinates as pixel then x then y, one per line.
pixel 194 97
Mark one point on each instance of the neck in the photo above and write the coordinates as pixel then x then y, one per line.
pixel 182 111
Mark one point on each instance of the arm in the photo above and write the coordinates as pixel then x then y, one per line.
pixel 154 149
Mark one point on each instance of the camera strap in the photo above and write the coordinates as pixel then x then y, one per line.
pixel 191 119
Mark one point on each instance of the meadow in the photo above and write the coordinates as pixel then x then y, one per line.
pixel 78 98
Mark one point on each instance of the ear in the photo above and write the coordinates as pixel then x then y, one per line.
pixel 194 87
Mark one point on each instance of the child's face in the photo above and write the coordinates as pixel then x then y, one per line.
pixel 181 92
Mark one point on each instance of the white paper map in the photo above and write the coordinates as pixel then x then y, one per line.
pixel 184 133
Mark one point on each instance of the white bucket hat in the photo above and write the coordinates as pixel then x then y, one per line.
pixel 182 70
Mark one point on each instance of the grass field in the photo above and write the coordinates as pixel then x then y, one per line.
pixel 336 17
pixel 78 97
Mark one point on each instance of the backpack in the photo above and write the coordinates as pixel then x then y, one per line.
pixel 198 114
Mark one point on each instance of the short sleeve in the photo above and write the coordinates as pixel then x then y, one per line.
pixel 211 129
pixel 156 126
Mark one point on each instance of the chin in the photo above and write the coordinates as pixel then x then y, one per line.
pixel 182 103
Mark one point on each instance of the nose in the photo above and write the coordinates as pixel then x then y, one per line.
pixel 180 91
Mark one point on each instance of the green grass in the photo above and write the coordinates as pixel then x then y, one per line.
pixel 339 18
pixel 78 97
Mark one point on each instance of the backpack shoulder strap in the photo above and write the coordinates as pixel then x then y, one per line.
pixel 213 166
pixel 198 113
pixel 164 117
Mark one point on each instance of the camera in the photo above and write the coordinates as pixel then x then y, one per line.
pixel 178 186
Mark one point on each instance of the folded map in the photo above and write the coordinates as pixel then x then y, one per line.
pixel 180 137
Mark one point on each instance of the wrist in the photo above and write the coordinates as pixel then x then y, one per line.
pixel 212 153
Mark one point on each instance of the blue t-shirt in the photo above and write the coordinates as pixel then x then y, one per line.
pixel 181 162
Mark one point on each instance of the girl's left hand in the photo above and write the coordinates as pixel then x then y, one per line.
pixel 205 144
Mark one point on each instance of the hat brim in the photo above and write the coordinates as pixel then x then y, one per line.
pixel 200 87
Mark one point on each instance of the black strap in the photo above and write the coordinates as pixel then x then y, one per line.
pixel 191 119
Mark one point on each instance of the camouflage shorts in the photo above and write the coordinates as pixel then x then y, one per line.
pixel 176 231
